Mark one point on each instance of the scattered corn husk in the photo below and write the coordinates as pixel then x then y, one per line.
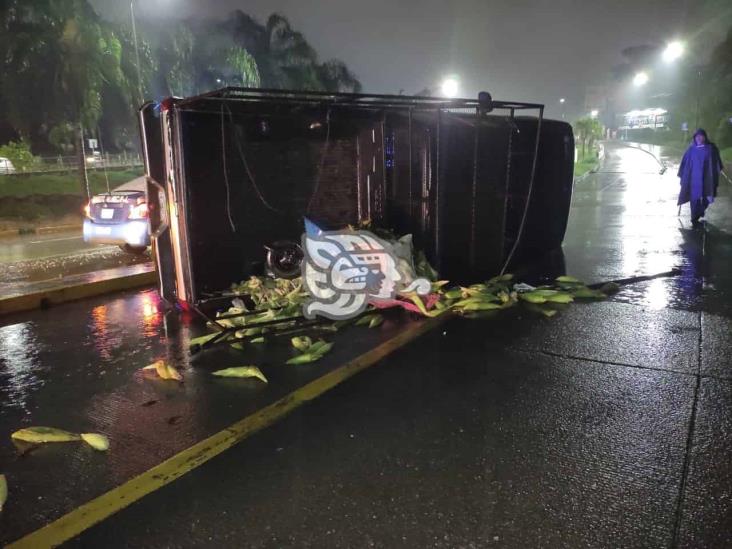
pixel 165 370
pixel 568 280
pixel 532 297
pixel 239 346
pixel 414 298
pixel 438 285
pixel 470 301
pixel 39 435
pixel 376 320
pixel 588 293
pixel 544 292
pixel 3 491
pixel 560 297
pixel 200 340
pixel 248 332
pixel 320 348
pixel 301 343
pixel 258 340
pixel 483 306
pixel 315 352
pixel 501 278
pixel 241 371
pixel 96 441
pixel 303 359
pixel 455 293
pixel 364 320
pixel 547 312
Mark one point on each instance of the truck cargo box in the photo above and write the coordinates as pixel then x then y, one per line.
pixel 233 173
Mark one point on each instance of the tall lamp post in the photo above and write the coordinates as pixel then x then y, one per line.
pixel 562 101
pixel 137 52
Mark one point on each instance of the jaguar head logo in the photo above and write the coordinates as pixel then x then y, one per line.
pixel 345 270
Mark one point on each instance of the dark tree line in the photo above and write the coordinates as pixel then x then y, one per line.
pixel 64 68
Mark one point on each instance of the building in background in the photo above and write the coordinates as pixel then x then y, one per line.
pixel 655 119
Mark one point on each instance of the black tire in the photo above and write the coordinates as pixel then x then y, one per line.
pixel 284 259
pixel 135 250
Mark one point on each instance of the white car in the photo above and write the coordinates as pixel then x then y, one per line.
pixel 6 166
pixel 119 217
pixel 94 158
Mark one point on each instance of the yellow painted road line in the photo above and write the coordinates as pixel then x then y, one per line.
pixel 95 511
pixel 63 294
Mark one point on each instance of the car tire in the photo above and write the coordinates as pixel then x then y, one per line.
pixel 136 250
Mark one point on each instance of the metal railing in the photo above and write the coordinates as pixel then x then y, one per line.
pixel 49 164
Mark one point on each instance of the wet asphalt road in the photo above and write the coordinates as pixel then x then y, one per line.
pixel 607 426
pixel 28 259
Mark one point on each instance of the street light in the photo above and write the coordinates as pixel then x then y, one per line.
pixel 562 100
pixel 673 51
pixel 594 113
pixel 450 87
pixel 640 79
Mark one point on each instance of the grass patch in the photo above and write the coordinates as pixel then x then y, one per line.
pixel 727 157
pixel 39 207
pixel 584 164
pixel 62 183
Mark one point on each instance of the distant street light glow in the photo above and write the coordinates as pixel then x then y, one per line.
pixel 594 113
pixel 673 51
pixel 640 79
pixel 450 87
pixel 562 100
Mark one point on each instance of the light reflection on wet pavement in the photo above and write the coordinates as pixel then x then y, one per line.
pixel 624 222
pixel 29 259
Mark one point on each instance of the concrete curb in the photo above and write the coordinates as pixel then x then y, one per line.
pixel 591 171
pixel 10 233
pixel 63 294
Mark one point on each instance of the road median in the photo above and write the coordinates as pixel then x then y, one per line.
pixel 51 229
pixel 42 295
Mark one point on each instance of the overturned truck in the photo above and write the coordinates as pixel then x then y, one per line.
pixel 233 173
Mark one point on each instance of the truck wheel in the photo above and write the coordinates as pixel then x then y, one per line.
pixel 136 250
pixel 284 259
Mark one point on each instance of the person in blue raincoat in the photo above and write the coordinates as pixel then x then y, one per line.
pixel 699 173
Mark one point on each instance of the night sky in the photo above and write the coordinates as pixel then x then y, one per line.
pixel 533 50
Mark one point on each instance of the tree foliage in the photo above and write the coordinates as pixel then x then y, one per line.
pixel 587 130
pixel 62 66
pixel 19 153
